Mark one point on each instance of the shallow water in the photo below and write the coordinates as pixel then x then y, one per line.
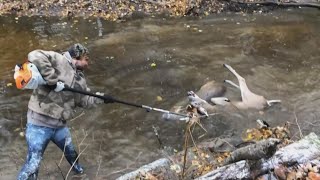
pixel 277 53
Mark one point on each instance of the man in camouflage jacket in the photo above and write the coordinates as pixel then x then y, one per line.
pixel 50 108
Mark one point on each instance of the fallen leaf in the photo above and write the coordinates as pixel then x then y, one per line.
pixel 159 98
pixel 176 168
pixel 220 159
pixel 314 176
pixel 291 175
pixel 299 175
pixel 149 176
pixel 280 172
pixel 21 134
pixel 195 163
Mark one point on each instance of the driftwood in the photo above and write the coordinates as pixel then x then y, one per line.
pixel 299 152
pixel 262 149
pixel 305 150
pixel 302 151
pixel 159 167
pixel 238 170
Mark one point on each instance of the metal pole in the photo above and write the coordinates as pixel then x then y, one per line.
pixel 110 98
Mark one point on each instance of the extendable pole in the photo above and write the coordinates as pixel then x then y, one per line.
pixel 110 98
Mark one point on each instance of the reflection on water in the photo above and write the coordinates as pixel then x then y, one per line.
pixel 277 53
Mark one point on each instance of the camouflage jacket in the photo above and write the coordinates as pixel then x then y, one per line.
pixel 56 67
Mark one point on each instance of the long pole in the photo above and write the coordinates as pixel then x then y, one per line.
pixel 112 99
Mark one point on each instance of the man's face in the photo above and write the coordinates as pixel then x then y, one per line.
pixel 83 62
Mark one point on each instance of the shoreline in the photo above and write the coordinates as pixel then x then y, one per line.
pixel 109 10
pixel 114 10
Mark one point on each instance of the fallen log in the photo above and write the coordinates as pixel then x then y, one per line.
pixel 238 170
pixel 299 152
pixel 158 167
pixel 257 151
pixel 305 150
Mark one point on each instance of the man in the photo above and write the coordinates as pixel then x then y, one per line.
pixel 49 107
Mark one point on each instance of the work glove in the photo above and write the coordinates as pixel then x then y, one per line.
pixel 59 86
pixel 106 100
pixel 99 100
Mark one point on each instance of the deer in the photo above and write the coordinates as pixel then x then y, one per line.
pixel 249 100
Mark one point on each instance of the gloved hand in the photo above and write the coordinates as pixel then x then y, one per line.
pixel 59 86
pixel 99 100
pixel 108 99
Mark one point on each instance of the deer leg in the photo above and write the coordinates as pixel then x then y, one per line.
pixel 232 84
pixel 240 78
pixel 246 94
pixel 270 102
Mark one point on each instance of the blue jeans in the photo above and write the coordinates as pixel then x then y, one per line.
pixel 38 137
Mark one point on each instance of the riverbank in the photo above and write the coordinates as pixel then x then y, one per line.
pixel 114 10
pixel 110 10
pixel 264 153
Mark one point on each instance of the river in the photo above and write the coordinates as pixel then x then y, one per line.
pixel 155 61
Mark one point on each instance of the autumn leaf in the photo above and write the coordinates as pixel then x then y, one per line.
pixel 220 159
pixel 176 168
pixel 21 134
pixel 159 98
pixel 195 163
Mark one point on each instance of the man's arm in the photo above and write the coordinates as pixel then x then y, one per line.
pixel 87 101
pixel 43 61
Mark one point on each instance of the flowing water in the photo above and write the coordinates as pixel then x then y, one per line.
pixel 144 59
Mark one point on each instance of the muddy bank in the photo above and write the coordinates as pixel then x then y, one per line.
pixel 122 9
